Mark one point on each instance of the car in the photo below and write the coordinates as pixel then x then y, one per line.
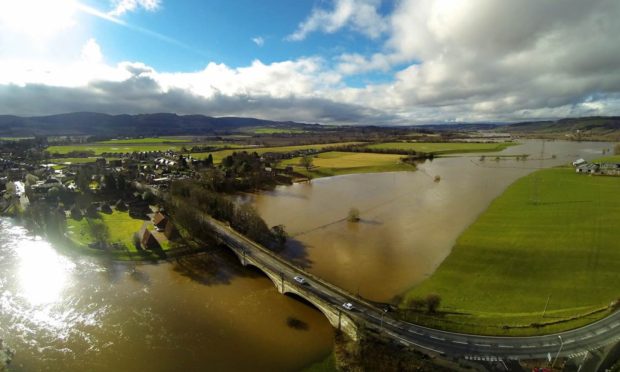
pixel 348 306
pixel 300 279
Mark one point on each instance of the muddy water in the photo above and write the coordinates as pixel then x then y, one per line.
pixel 409 221
pixel 67 313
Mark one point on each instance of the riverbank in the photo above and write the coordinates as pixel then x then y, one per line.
pixel 542 258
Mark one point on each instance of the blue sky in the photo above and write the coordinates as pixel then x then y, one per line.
pixel 231 32
pixel 332 61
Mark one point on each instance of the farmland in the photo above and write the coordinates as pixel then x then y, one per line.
pixel 149 140
pixel 337 163
pixel 219 155
pixel 440 147
pixel 101 148
pixel 558 244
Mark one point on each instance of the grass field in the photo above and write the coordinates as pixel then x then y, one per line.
pixel 441 147
pixel 335 163
pixel 519 253
pixel 100 148
pixel 121 228
pixel 609 159
pixel 219 155
pixel 150 140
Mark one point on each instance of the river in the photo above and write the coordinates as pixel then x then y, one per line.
pixel 62 312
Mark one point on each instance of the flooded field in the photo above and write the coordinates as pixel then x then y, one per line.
pixel 70 313
pixel 409 221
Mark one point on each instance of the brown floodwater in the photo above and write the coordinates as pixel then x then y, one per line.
pixel 409 222
pixel 62 312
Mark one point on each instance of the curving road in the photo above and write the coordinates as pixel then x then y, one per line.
pixel 567 344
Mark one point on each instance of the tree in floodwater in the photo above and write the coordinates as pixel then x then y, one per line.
pixel 354 215
pixel 306 161
pixel 432 302
pixel 617 149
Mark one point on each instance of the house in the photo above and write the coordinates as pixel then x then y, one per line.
pixel 121 206
pixel 579 162
pixel 105 208
pixel 159 220
pixel 587 168
pixel 139 209
pixel 92 210
pixel 170 231
pixel 148 241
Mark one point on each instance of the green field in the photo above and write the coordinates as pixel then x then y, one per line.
pixel 520 252
pixel 335 163
pixel 121 228
pixel 100 148
pixel 150 140
pixel 608 159
pixel 441 147
pixel 219 155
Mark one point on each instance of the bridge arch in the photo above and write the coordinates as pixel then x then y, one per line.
pixel 336 316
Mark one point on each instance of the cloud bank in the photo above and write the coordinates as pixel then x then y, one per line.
pixel 447 60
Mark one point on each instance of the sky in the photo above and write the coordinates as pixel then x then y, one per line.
pixel 381 62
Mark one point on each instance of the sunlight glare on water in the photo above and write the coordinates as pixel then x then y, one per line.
pixel 42 272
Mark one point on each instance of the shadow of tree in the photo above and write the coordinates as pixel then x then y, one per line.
pixel 297 253
pixel 216 267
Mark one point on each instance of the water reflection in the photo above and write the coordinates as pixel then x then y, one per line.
pixel 42 272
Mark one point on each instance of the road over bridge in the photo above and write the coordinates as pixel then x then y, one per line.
pixel 329 299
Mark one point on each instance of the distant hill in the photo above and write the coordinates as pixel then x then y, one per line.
pixel 596 128
pixel 89 123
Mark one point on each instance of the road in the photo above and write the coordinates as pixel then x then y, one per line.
pixel 567 344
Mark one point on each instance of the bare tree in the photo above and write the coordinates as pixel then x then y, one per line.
pixel 432 302
pixel 306 161
pixel 354 215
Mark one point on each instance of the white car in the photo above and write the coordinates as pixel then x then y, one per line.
pixel 300 279
pixel 348 306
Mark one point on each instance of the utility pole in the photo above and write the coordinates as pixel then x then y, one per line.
pixel 559 351
pixel 547 304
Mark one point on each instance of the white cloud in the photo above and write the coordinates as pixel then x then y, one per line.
pixel 459 60
pixel 91 52
pixel 123 6
pixel 258 40
pixel 360 15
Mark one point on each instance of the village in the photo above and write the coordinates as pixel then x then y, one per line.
pixel 113 205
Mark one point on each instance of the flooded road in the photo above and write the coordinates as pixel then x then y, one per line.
pixel 70 313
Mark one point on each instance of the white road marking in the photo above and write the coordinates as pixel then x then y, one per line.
pixel 484 345
pixel 459 342
pixel 438 338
